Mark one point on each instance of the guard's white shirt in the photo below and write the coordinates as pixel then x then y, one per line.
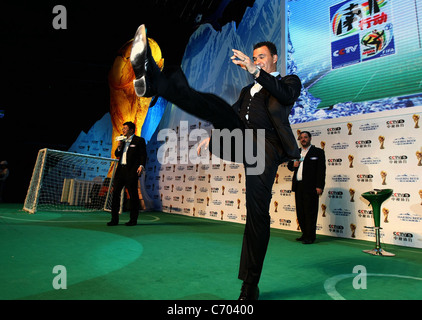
pixel 303 153
pixel 125 148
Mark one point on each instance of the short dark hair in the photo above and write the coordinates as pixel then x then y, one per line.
pixel 271 46
pixel 131 125
pixel 307 132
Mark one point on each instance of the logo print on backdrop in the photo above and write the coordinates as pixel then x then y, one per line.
pixel 383 177
pixel 381 140
pixel 415 118
pixel 419 157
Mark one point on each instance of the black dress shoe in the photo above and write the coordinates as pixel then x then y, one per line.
pixel 249 292
pixel 307 241
pixel 299 239
pixel 131 223
pixel 140 58
pixel 112 223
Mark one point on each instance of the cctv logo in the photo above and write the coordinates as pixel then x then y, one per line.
pixel 344 51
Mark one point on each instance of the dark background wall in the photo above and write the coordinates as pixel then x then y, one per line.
pixel 54 82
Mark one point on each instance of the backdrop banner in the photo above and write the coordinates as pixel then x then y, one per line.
pixel 373 151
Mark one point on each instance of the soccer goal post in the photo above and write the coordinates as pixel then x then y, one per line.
pixel 66 181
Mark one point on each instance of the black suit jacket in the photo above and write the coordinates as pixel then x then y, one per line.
pixel 313 174
pixel 136 154
pixel 281 92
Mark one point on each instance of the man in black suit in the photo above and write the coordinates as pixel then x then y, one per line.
pixel 132 154
pixel 308 184
pixel 264 105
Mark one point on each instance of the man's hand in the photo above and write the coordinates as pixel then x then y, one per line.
pixel 203 145
pixel 139 171
pixel 243 61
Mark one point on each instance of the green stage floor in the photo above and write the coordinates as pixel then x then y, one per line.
pixel 175 257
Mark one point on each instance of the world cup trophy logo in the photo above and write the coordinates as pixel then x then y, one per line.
pixel 276 206
pixel 420 195
pixel 323 209
pixel 383 177
pixel 322 143
pixel 353 229
pixel 352 194
pixel 238 203
pixel 381 139
pixel 416 120
pixel 349 127
pixel 350 157
pixel 385 212
pixel 419 157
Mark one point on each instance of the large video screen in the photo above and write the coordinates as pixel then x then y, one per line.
pixel 355 56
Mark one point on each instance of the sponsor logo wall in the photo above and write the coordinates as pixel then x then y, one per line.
pixel 364 152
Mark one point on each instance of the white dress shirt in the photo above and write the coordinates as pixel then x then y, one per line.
pixel 303 153
pixel 126 147
pixel 257 87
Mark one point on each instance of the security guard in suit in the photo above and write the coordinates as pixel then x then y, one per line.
pixel 132 154
pixel 308 184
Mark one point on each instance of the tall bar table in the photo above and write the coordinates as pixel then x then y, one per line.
pixel 376 197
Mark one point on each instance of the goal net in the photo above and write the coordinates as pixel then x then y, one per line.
pixel 66 181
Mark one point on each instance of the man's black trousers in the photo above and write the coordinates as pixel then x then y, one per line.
pixel 211 108
pixel 129 179
pixel 306 210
